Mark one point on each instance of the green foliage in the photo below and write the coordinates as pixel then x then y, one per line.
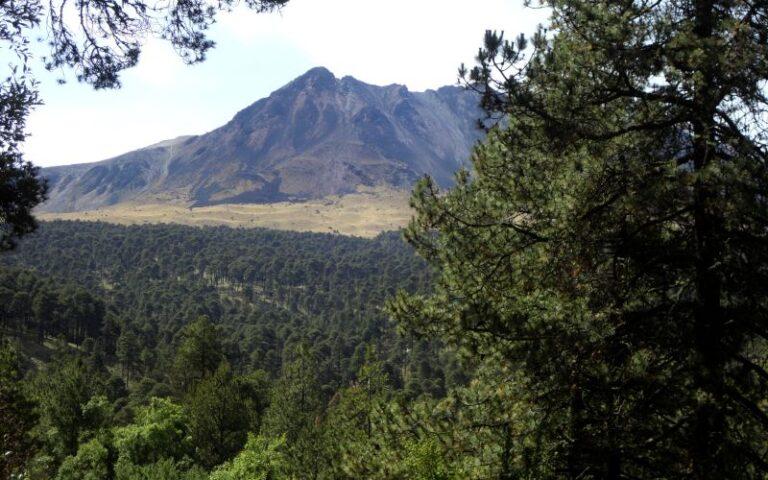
pixel 181 328
pixel 165 469
pixel 20 188
pixel 471 433
pixel 260 459
pixel 64 391
pixel 33 305
pixel 199 353
pixel 160 431
pixel 219 419
pixel 294 412
pixel 425 461
pixel 127 350
pixel 265 291
pixel 350 421
pixel 17 414
pixel 608 251
pixel 92 462
pixel 97 415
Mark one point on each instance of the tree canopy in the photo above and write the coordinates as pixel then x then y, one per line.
pixel 609 245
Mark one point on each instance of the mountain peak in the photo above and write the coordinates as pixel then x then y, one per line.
pixel 318 72
pixel 316 77
pixel 315 137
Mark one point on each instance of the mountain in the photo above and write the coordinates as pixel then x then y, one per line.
pixel 317 136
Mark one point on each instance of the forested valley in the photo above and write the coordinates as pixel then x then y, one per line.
pixel 160 349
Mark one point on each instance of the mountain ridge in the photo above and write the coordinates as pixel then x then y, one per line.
pixel 318 135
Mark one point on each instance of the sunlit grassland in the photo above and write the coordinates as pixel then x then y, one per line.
pixel 364 214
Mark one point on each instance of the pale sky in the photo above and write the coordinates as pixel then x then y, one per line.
pixel 419 43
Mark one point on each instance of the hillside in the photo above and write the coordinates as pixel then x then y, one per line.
pixel 318 136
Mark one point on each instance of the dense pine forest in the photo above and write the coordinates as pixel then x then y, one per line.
pixel 135 288
pixel 195 338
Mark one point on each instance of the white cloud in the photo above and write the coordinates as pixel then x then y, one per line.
pixel 159 65
pixel 419 43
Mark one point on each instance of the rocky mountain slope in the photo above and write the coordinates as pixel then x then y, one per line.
pixel 317 136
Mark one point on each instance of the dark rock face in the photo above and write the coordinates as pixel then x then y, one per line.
pixel 317 136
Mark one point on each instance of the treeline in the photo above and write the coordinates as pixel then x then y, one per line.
pixel 34 305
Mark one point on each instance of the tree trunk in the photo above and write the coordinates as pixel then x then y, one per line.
pixel 708 319
pixel 576 463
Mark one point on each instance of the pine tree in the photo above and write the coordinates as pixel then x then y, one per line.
pixel 218 417
pixel 349 422
pixel 127 352
pixel 20 188
pixel 261 459
pixel 62 391
pixel 294 412
pixel 609 246
pixel 199 354
pixel 17 415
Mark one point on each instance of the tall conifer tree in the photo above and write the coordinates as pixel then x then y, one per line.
pixel 610 243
